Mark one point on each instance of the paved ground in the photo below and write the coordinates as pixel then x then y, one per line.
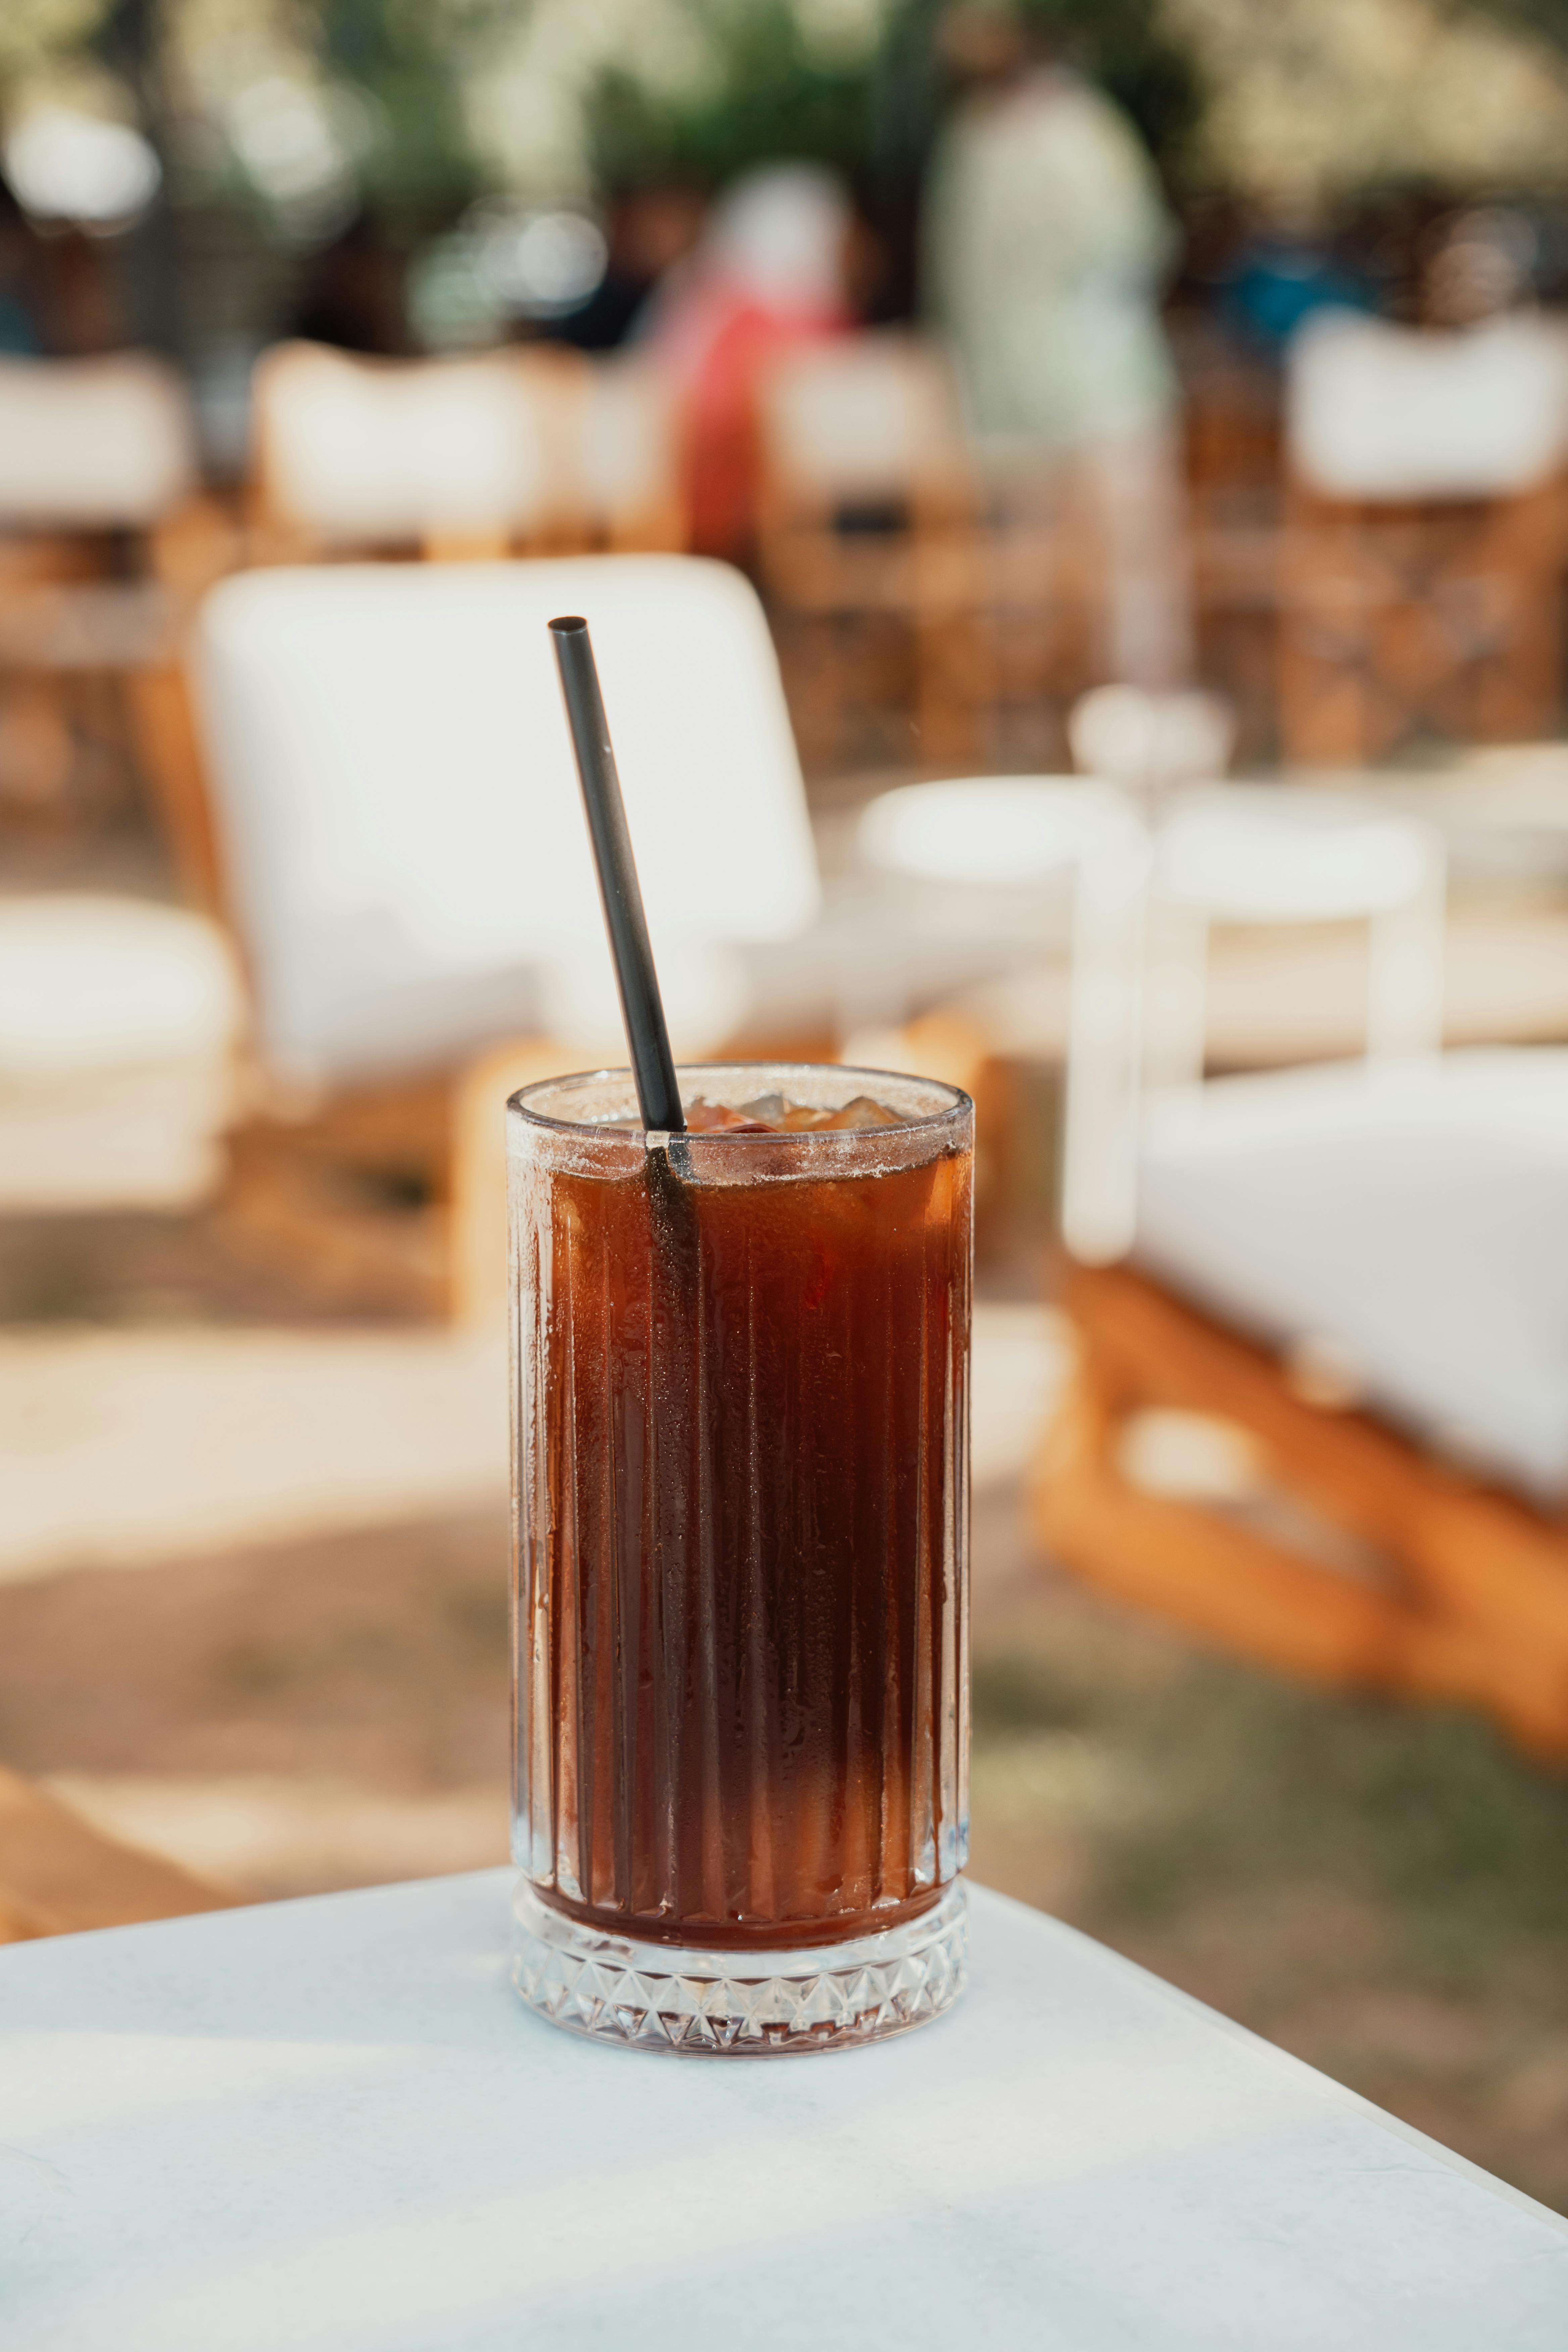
pixel 255 1599
pixel 121 1448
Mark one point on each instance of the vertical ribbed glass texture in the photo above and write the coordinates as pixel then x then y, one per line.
pixel 742 1512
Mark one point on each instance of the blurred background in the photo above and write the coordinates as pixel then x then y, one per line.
pixel 1143 430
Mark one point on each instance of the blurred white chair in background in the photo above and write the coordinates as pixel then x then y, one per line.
pixel 1144 902
pixel 1502 810
pixel 353 454
pixel 1425 534
pixel 867 516
pixel 1012 838
pixel 862 417
pixel 401 838
pixel 1148 743
pixel 1364 1282
pixel 1253 856
pixel 398 813
pixel 1269 854
pixel 528 450
pixel 1405 1242
pixel 93 445
pixel 118 1022
pixel 92 982
pixel 623 463
pixel 1357 1271
pixel 1259 855
pixel 1392 413
pixel 98 490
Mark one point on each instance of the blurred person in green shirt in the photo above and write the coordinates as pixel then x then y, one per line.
pixel 1046 242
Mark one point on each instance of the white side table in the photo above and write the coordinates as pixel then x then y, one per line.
pixel 1267 855
pixel 329 2126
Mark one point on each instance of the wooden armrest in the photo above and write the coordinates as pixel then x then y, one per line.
pixel 58 1875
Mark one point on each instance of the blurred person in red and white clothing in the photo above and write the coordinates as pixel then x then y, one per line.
pixel 770 269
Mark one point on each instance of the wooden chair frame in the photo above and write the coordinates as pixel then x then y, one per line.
pixel 58 1875
pixel 944 570
pixel 1466 1599
pixel 1437 617
pixel 54 651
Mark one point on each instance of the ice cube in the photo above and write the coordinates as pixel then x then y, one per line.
pixel 864 1111
pixel 776 1115
pixel 703 1117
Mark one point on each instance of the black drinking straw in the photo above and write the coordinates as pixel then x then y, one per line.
pixel 642 1007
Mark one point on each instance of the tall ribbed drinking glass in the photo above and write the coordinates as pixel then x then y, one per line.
pixel 741 1454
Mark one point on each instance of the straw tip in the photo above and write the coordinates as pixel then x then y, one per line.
pixel 569 625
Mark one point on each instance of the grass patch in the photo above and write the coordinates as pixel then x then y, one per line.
pixel 1019 1691
pixel 1229 1781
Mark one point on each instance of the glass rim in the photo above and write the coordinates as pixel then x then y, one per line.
pixel 521 1102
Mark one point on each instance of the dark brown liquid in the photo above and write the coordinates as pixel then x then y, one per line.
pixel 741 1615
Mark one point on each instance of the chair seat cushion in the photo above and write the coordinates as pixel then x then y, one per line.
pixel 92 982
pixel 1411 1221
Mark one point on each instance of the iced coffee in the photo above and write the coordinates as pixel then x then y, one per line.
pixel 741 1581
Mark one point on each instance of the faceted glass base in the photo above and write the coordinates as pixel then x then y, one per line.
pixel 721 2004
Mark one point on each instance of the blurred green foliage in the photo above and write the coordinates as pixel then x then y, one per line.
pixel 767 94
pixel 1548 18
pixel 410 59
pixel 770 92
pixel 772 84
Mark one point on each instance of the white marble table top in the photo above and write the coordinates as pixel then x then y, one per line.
pixel 329 2126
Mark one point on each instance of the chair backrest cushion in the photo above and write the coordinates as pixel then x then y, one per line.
pixel 398 810
pixel 624 443
pixel 93 445
pixel 364 452
pixel 1375 412
pixel 871 415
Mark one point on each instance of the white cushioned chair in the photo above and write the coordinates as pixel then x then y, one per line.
pixel 1364 1270
pixel 1425 535
pixel 1360 1269
pixel 400 850
pixel 1412 1233
pixel 93 445
pixel 101 518
pixel 521 452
